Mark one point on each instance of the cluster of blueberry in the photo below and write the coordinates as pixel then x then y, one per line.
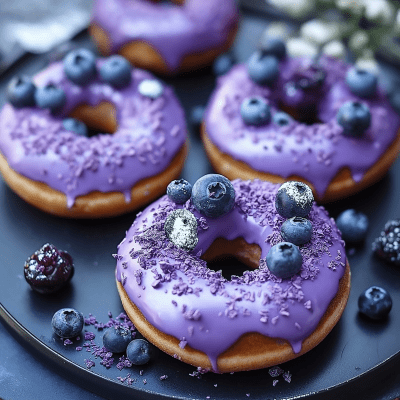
pixel 80 68
pixel 355 116
pixel 68 323
pixel 212 195
pixel 293 201
pixel 48 269
pixel 263 69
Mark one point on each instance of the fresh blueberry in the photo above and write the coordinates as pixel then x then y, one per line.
pixel 294 199
pixel 296 230
pixel 48 269
pixel 151 88
pixel 76 126
pixel 179 191
pixel 354 117
pixel 280 118
pixel 21 92
pixel 273 46
pixel 140 351
pixel 375 302
pixel 213 195
pixel 222 64
pixel 387 245
pixel 51 97
pixel 353 225
pixel 116 71
pixel 361 82
pixel 80 66
pixel 117 338
pixel 196 115
pixel 263 68
pixel 67 323
pixel 284 260
pixel 255 111
pixel 181 229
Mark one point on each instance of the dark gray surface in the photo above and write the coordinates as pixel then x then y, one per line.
pixel 359 359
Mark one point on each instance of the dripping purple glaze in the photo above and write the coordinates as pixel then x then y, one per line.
pixel 208 312
pixel 316 152
pixel 174 31
pixel 149 135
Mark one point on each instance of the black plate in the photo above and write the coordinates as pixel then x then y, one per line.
pixel 356 357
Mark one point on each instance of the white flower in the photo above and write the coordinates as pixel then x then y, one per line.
pixel 297 47
pixel 335 48
pixel 379 11
pixel 320 32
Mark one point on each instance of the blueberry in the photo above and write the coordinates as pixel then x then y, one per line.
pixel 181 229
pixel 213 195
pixel 179 191
pixel 284 260
pixel 76 126
pixel 354 117
pixel 263 68
pixel 140 351
pixel 21 92
pixel 151 88
pixel 67 323
pixel 80 66
pixel 353 225
pixel 50 96
pixel 116 71
pixel 361 82
pixel 222 64
pixel 255 111
pixel 375 303
pixel 296 230
pixel 387 245
pixel 48 269
pixel 273 46
pixel 117 338
pixel 282 119
pixel 294 199
pixel 196 115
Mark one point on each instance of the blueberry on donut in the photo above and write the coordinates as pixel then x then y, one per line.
pixel 166 37
pixel 90 137
pixel 322 122
pixel 284 305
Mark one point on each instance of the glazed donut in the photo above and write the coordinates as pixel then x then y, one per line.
pixel 247 322
pixel 52 167
pixel 165 38
pixel 303 134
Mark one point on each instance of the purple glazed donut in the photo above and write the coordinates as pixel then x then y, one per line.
pixel 71 175
pixel 166 38
pixel 247 322
pixel 307 142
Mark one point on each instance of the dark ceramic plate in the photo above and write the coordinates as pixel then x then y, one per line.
pixel 355 357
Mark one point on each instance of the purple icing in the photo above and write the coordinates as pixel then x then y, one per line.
pixel 315 152
pixel 149 134
pixel 208 312
pixel 174 31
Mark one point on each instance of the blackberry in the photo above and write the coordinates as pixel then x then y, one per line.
pixel 48 269
pixel 387 245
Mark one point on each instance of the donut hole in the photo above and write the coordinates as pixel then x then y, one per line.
pixel 232 257
pixel 98 119
pixel 307 114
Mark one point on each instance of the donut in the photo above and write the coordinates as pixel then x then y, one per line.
pixel 256 320
pixel 136 145
pixel 165 37
pixel 293 123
